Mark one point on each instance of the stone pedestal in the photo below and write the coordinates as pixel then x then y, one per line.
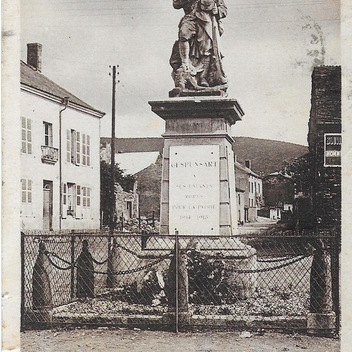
pixel 198 193
pixel 322 319
pixel 198 182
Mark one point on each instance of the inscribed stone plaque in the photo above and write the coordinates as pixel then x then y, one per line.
pixel 194 189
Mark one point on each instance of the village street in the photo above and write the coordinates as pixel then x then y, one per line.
pixel 121 340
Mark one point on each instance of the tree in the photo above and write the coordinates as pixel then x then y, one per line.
pixel 126 181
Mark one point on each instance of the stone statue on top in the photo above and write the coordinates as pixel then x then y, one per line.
pixel 196 56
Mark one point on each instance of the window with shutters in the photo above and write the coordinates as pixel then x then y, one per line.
pixel 26 129
pixel 71 199
pixel 71 146
pixel 78 148
pixel 26 191
pixel 86 149
pixel 48 134
pixel 86 197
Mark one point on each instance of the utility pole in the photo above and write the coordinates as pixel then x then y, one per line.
pixel 112 165
pixel 110 275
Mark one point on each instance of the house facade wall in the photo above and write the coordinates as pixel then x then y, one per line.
pixel 252 187
pixel 240 206
pixel 36 174
pixel 127 203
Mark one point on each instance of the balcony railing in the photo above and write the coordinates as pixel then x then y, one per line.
pixel 49 154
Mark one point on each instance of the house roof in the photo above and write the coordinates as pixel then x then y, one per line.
pixel 278 174
pixel 245 169
pixel 34 79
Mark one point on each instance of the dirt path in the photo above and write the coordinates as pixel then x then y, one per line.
pixel 102 340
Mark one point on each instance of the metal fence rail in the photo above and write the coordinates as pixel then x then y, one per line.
pixel 252 281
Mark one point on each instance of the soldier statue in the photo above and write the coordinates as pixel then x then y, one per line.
pixel 196 58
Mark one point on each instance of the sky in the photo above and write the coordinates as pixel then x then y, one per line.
pixel 270 48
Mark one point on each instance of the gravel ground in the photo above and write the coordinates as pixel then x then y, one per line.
pixel 120 340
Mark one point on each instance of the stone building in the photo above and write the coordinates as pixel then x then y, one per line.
pixel 324 168
pixel 60 164
pixel 324 140
pixel 249 189
pixel 127 203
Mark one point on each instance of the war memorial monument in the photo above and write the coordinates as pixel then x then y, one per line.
pixel 198 176
pixel 198 183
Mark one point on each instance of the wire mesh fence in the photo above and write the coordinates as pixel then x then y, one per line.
pixel 252 281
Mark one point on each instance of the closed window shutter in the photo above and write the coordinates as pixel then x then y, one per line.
pixel 89 202
pixel 78 148
pixel 88 197
pixel 24 193
pixel 24 144
pixel 64 201
pixel 84 161
pixel 88 150
pixel 78 202
pixel 29 136
pixel 68 145
pixel 73 146
pixel 29 191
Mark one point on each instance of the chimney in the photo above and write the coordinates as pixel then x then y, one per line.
pixel 248 164
pixel 34 56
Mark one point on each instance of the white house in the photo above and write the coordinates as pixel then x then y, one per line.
pixel 249 189
pixel 60 162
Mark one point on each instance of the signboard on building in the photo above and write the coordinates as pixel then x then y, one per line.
pixel 332 149
pixel 194 189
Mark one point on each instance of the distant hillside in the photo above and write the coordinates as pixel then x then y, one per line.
pixel 266 155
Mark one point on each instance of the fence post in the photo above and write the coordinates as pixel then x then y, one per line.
pixel 41 296
pixel 321 319
pixel 139 217
pixel 113 263
pixel 335 271
pixel 144 239
pixel 85 273
pixel 178 287
pixel 110 278
pixel 72 266
pixel 22 283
